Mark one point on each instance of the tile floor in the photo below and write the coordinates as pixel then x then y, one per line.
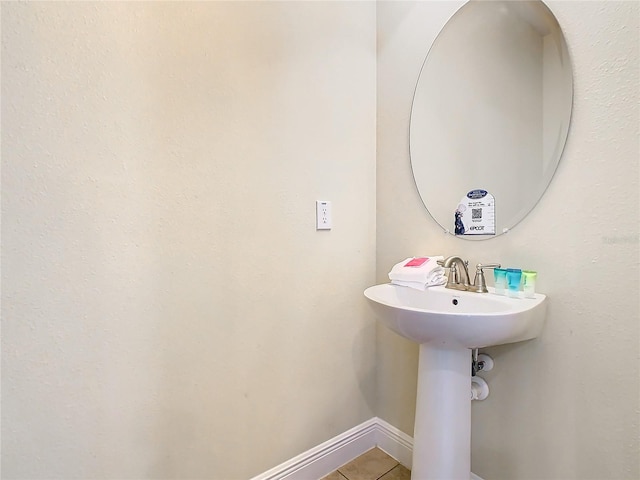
pixel 372 465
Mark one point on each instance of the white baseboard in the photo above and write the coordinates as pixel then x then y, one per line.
pixel 395 442
pixel 332 454
pixel 326 457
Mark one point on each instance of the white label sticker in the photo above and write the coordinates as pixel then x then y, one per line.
pixel 476 214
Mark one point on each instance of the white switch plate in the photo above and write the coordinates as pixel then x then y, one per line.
pixel 323 215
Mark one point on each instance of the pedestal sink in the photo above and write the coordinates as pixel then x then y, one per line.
pixel 448 324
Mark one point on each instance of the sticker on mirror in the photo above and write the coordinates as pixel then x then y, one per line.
pixel 475 214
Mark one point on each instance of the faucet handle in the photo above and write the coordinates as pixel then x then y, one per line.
pixel 479 282
pixel 480 266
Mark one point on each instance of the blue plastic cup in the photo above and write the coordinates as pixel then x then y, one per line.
pixel 500 280
pixel 514 275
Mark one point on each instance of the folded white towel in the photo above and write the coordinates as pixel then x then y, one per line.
pixel 425 272
pixel 439 280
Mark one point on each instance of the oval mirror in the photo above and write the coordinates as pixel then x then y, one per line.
pixel 490 116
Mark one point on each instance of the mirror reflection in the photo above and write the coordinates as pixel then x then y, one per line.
pixel 490 114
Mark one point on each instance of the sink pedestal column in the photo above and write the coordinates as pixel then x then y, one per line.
pixel 442 432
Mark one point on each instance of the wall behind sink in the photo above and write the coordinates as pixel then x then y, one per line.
pixel 168 308
pixel 566 405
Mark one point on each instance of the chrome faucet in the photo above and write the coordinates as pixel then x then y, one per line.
pixel 457 265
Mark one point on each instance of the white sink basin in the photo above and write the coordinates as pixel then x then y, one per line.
pixel 455 318
pixel 447 324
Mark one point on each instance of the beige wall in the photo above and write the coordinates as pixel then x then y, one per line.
pixel 564 406
pixel 163 313
pixel 168 308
